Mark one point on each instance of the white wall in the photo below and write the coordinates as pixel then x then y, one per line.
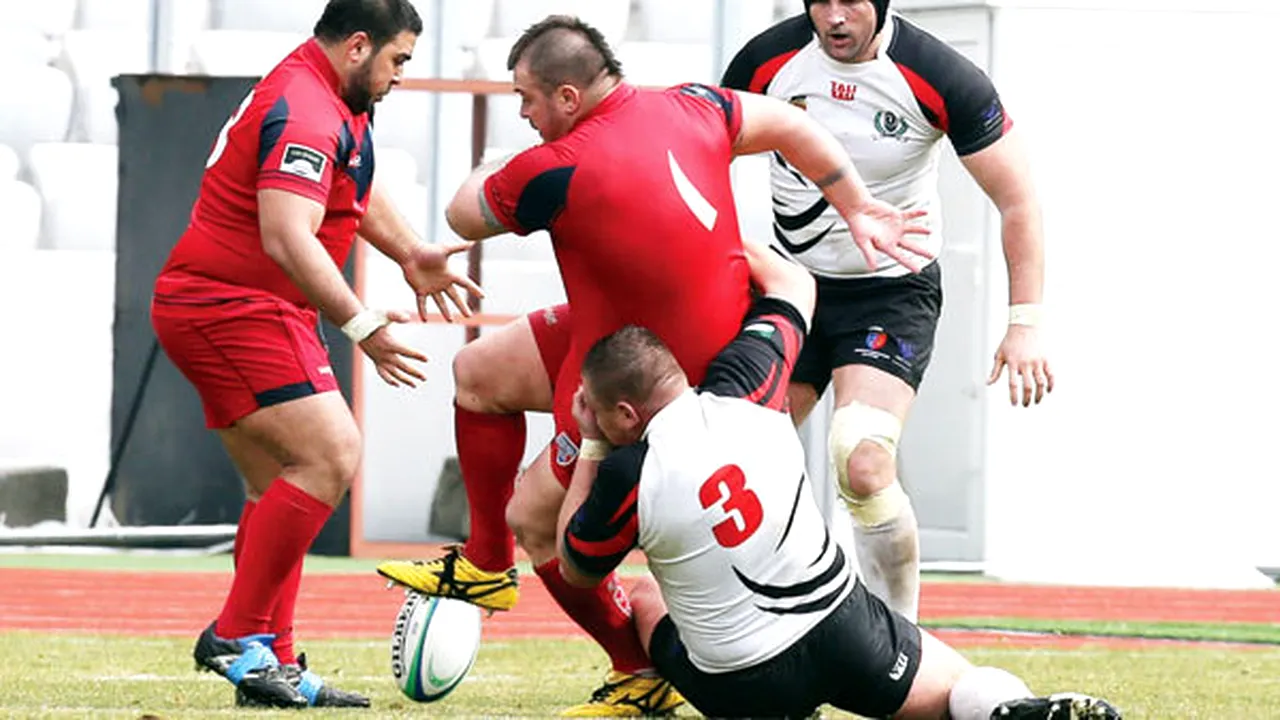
pixel 1152 461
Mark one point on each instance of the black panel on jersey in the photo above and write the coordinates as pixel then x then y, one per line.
pixel 755 65
pixel 272 129
pixel 543 198
pixel 956 96
pixel 757 365
pixel 361 172
pixel 712 96
pixel 604 529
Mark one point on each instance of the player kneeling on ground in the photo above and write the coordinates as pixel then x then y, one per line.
pixel 757 608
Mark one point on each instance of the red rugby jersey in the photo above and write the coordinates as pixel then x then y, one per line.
pixel 292 132
pixel 639 205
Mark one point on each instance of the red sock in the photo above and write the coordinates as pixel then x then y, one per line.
pixel 604 612
pixel 241 531
pixel 282 617
pixel 284 524
pixel 490 448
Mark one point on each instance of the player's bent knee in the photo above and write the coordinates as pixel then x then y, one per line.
pixel 647 608
pixel 531 527
pixel 863 443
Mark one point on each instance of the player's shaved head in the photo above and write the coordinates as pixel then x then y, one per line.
pixel 563 50
pixel 628 365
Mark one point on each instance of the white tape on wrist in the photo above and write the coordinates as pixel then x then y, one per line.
pixel 365 323
pixel 594 449
pixel 1029 314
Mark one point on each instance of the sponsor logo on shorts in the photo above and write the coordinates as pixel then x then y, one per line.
pixel 566 450
pixel 326 370
pixel 305 162
pixel 877 346
pixel 906 350
pixel 549 316
pixel 899 667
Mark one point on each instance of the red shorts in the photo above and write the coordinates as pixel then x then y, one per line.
pixel 243 354
pixel 551 331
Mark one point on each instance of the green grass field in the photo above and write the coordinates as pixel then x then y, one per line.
pixel 75 676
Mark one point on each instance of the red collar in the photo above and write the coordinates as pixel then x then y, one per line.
pixel 314 56
pixel 613 100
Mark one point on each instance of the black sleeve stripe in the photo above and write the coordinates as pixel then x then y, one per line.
pixel 953 93
pixel 757 365
pixel 543 198
pixel 606 527
pixel 756 64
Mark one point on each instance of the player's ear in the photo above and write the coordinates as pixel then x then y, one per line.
pixel 359 47
pixel 569 98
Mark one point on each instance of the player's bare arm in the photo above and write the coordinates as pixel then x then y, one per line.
pixel 426 266
pixel 1003 172
pixel 469 213
pixel 778 277
pixel 594 447
pixel 288 223
pixel 771 124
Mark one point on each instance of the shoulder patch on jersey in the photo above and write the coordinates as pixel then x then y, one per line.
pixel 303 161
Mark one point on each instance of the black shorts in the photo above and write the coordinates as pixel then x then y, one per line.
pixel 887 323
pixel 861 658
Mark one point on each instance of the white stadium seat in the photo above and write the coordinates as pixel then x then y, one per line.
pixel 51 18
pixel 610 17
pixel 394 165
pixel 36 107
pixel 20 208
pixel 506 128
pixel 404 120
pixel 677 21
pixel 78 184
pixel 474 23
pixel 9 163
pixel 240 53
pixel 22 48
pixel 129 15
pixel 92 58
pixel 666 63
pixel 290 16
pixel 520 286
pixel 183 21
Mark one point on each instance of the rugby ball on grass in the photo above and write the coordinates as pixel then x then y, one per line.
pixel 433 646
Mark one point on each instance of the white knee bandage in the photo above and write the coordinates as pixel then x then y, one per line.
pixel 851 425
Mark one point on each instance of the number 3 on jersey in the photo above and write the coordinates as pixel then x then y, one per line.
pixel 727 488
pixel 221 144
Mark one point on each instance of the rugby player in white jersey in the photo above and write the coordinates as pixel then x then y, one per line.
pixel 891 93
pixel 757 609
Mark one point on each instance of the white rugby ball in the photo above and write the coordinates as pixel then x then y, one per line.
pixel 434 645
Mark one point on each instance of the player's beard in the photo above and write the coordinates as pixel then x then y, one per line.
pixel 358 94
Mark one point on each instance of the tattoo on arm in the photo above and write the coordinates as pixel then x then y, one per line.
pixel 491 220
pixel 833 178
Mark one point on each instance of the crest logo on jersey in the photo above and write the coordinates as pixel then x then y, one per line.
pixel 843 91
pixel 800 101
pixel 303 161
pixel 890 125
pixel 566 450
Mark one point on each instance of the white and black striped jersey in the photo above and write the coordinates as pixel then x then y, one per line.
pixel 889 113
pixel 716 496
